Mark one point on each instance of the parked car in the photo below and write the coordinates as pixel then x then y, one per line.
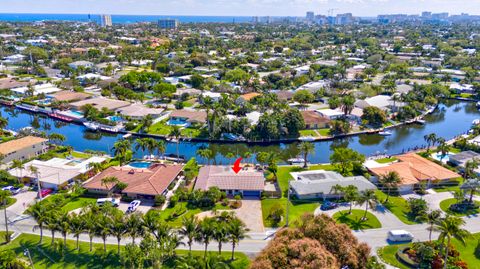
pixel 399 236
pixel 133 205
pixel 328 206
pixel 11 189
pixel 45 192
pixel 113 201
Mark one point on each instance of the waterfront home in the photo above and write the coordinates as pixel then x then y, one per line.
pixel 69 96
pixel 10 83
pixel 248 182
pixel 100 102
pixel 141 183
pixel 138 111
pixel 461 159
pixel 330 114
pixel 462 88
pixel 14 59
pixel 55 173
pixel 186 117
pixel 313 120
pixel 318 184
pixel 23 148
pixel 83 64
pixel 414 169
pixel 384 102
pixel 46 88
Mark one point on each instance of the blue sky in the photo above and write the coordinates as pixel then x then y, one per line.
pixel 238 7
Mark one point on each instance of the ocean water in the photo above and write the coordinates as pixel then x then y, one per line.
pixel 19 17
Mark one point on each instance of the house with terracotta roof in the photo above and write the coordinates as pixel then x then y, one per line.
pixel 23 148
pixel 248 182
pixel 141 183
pixel 414 169
pixel 189 116
pixel 69 96
pixel 246 97
pixel 313 120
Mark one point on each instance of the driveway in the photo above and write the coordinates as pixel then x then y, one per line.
pixel 250 213
pixel 143 207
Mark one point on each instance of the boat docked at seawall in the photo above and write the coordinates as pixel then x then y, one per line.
pixel 307 138
pixel 27 107
pixel 60 117
pixel 91 125
pixel 294 161
pixel 384 133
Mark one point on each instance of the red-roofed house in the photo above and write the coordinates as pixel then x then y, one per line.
pixel 141 183
pixel 248 182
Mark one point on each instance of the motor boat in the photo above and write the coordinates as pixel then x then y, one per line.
pixel 296 161
pixel 384 133
pixel 127 136
pixel 91 125
pixel 307 138
pixel 422 122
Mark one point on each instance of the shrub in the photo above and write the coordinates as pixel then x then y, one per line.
pixel 159 200
pixel 173 201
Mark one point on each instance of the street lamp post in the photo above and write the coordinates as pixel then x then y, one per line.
pixel 26 252
pixel 288 204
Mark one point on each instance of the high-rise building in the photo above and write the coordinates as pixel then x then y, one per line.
pixel 343 19
pixel 105 20
pixel 168 23
pixel 310 16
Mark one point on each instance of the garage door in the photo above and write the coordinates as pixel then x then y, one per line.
pixel 251 193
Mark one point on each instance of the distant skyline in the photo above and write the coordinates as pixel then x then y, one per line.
pixel 239 7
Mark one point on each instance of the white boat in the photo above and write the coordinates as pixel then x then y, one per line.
pixel 306 138
pixel 384 133
pixel 478 104
pixel 127 136
pixel 296 161
pixel 476 122
pixel 91 125
pixel 421 122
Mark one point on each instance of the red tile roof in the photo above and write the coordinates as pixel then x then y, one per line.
pixel 151 181
pixel 224 178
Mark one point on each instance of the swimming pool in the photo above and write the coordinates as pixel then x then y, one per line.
pixel 142 165
pixel 177 122
pixel 115 118
pixel 76 113
pixel 442 158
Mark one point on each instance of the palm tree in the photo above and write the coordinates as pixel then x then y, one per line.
pixel 348 102
pixel 306 148
pixel 134 226
pixel 220 234
pixel 64 226
pixel 161 148
pixel 470 167
pixel 103 229
pixel 20 166
pixel 450 227
pixel 147 121
pixel 432 218
pixel 4 197
pixel 77 227
pixel 336 189
pixel 118 228
pixel 431 139
pixel 52 222
pixel 443 148
pixel 176 133
pixel 90 221
pixel 368 198
pixel 95 167
pixel 38 211
pixel 141 143
pixel 109 183
pixel 205 233
pixel 34 170
pixel 237 231
pixel 189 230
pixel 56 138
pixel 205 154
pixel 472 185
pixel 350 195
pixel 272 159
pixel 390 181
pixel 121 149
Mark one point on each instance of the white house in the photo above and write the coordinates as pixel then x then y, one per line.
pixel 46 88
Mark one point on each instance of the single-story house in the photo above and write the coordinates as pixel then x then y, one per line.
pixel 461 159
pixel 246 97
pixel 84 64
pixel 189 91
pixel 313 120
pixel 90 77
pixel 414 169
pixel 384 102
pixel 314 86
pixel 248 182
pixel 284 95
pixel 69 96
pixel 55 173
pixel 100 102
pixel 318 184
pixel 138 111
pixel 330 114
pixel 462 88
pixel 46 88
pixel 141 183
pixel 23 148
pixel 215 96
pixel 10 83
pixel 190 116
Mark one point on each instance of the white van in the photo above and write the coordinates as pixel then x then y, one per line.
pixel 399 236
pixel 113 201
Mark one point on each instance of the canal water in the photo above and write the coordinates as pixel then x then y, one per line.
pixel 452 118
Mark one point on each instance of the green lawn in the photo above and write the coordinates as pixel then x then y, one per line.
pixel 78 202
pixel 397 205
pixel 45 257
pixel 174 215
pixel 297 209
pixel 386 160
pixel 10 201
pixel 160 128
pixel 354 220
pixel 308 133
pixel 449 186
pixel 324 132
pixel 2 236
pixel 445 206
pixel 467 252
